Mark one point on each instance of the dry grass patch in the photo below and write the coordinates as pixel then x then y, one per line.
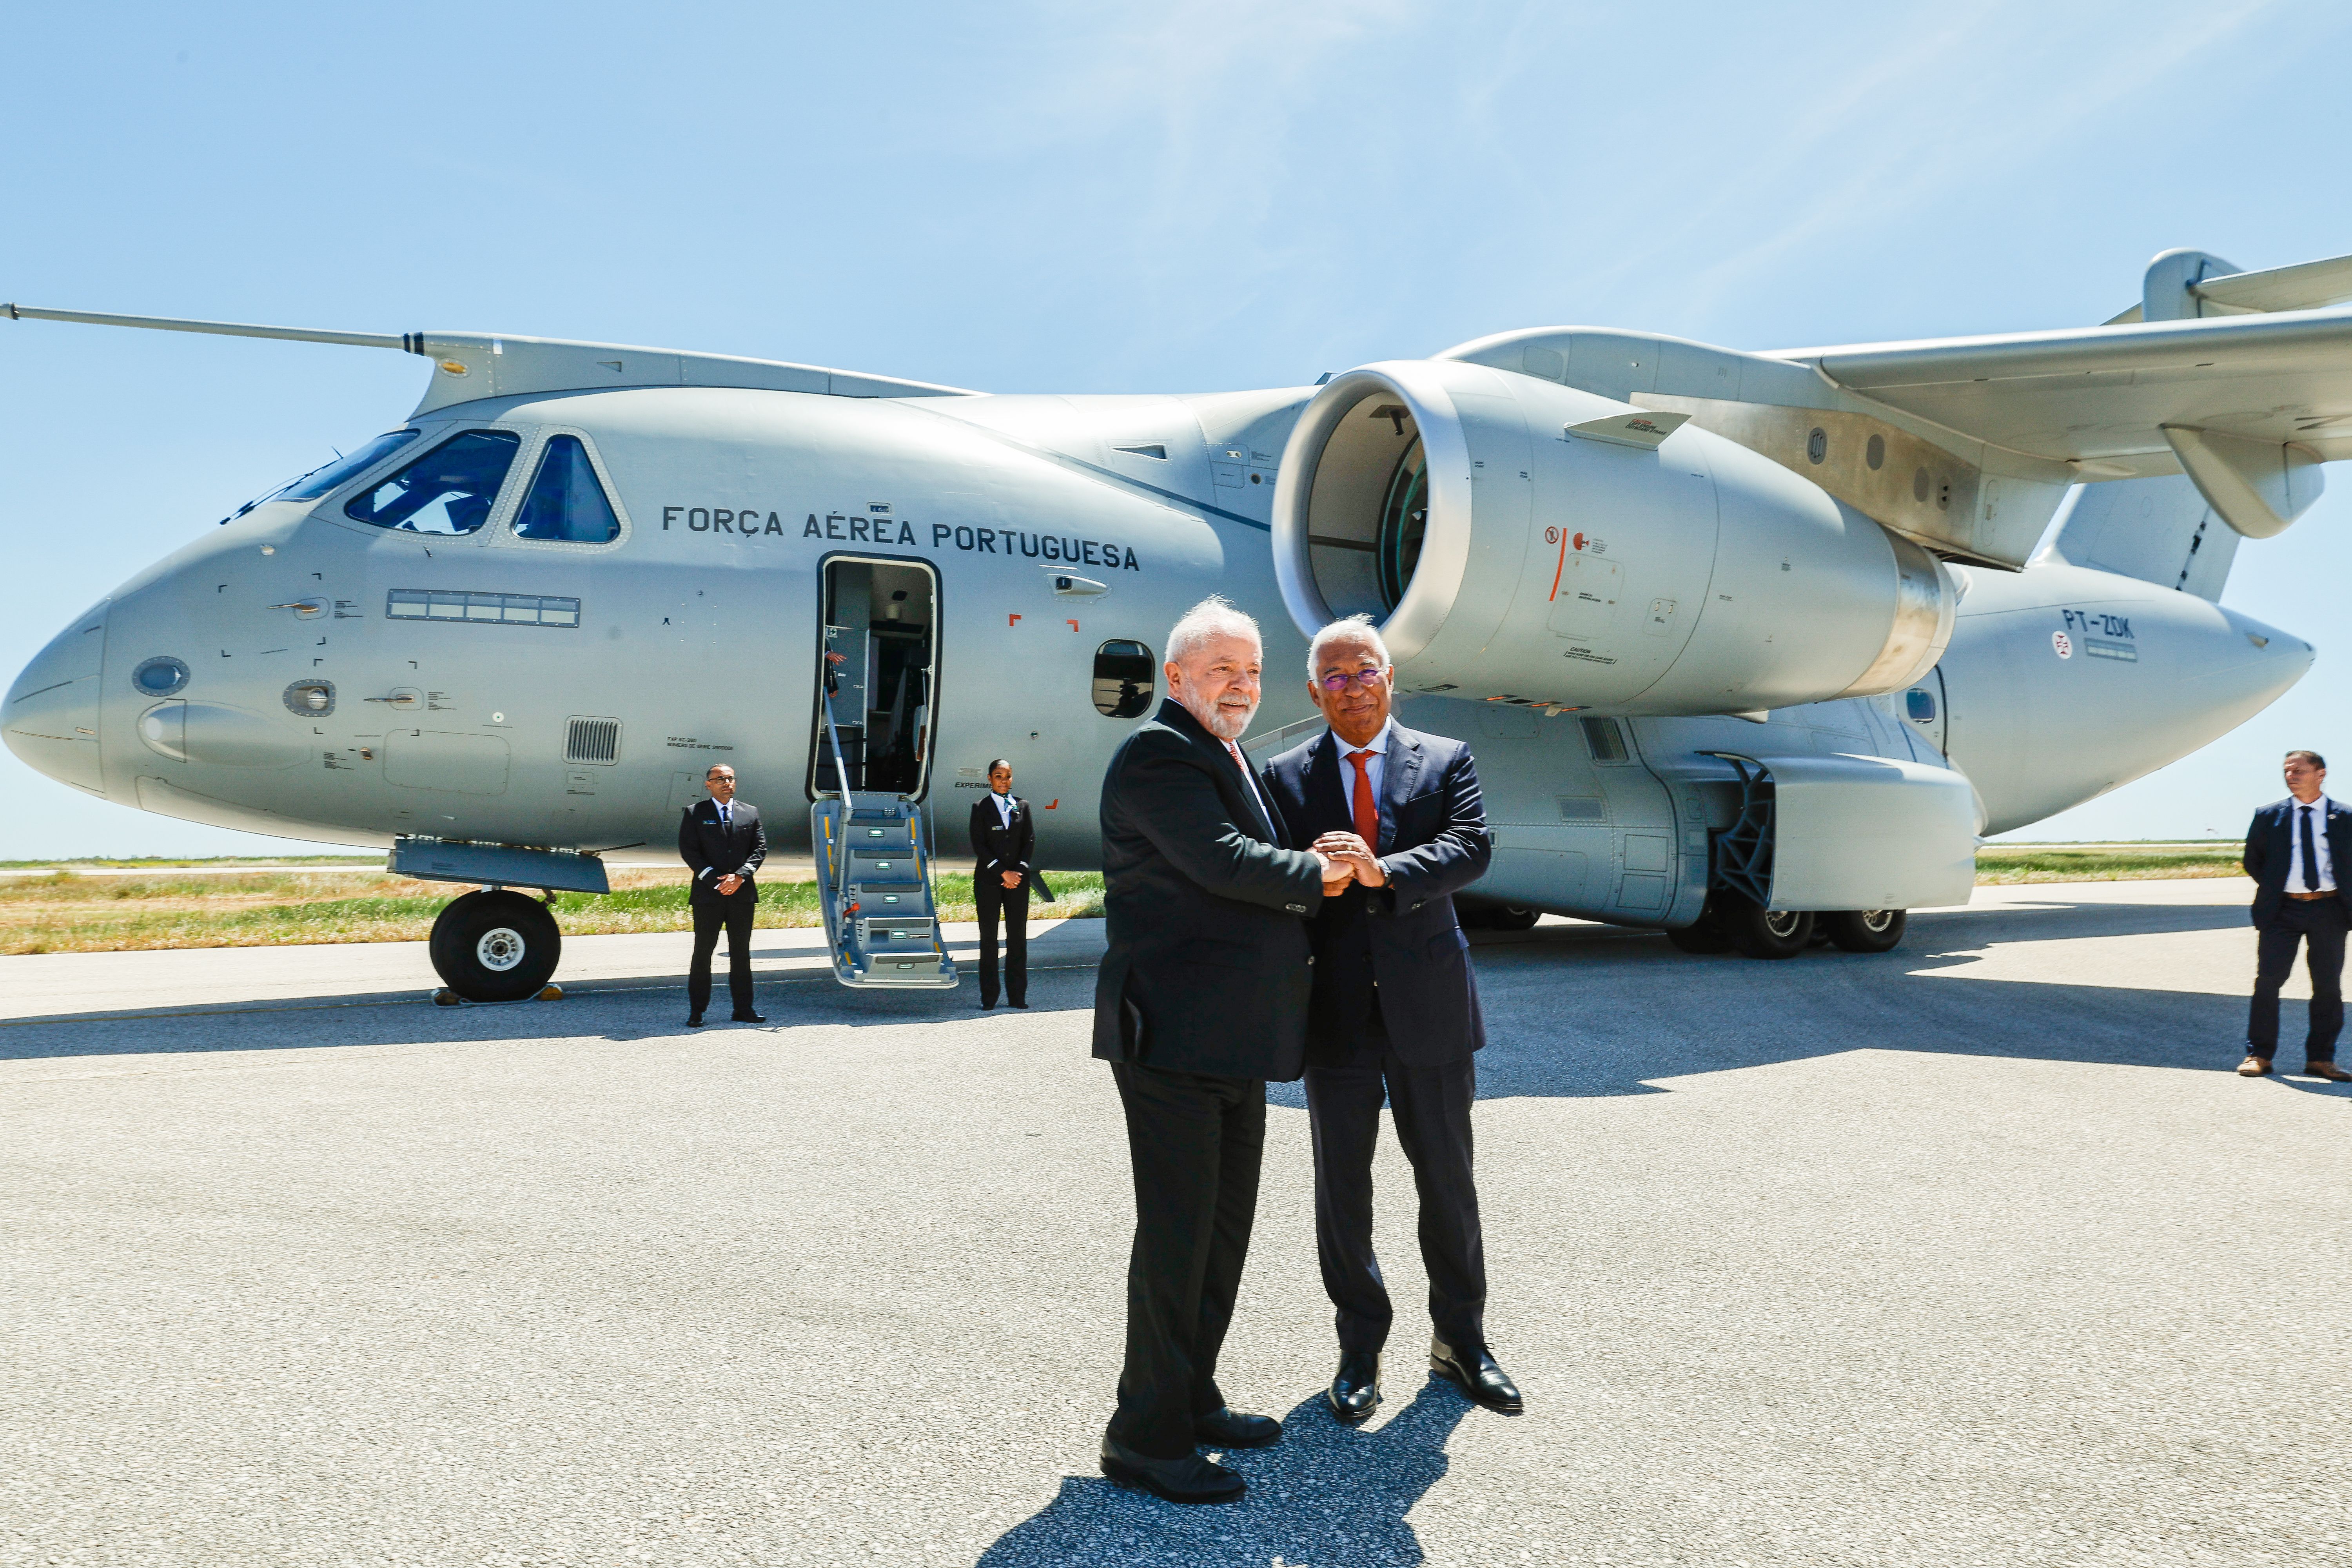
pixel 2000 864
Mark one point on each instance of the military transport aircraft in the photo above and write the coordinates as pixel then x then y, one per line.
pixel 1749 645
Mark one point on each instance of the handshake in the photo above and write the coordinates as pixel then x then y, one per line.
pixel 1346 859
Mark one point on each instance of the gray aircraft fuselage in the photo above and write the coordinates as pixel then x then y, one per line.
pixel 454 666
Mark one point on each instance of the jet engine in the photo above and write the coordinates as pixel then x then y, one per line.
pixel 1522 541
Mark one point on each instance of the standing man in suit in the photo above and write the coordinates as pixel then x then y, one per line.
pixel 721 840
pixel 1395 1009
pixel 1004 842
pixel 1200 998
pixel 2298 851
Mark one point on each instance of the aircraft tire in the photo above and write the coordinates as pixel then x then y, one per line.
pixel 1760 932
pixel 1481 914
pixel 1865 930
pixel 496 945
pixel 1704 937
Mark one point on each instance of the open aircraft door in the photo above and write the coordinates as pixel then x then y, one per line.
pixel 877 672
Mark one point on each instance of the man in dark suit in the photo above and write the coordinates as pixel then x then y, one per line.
pixel 1004 842
pixel 1395 1009
pixel 1200 998
pixel 721 841
pixel 2296 851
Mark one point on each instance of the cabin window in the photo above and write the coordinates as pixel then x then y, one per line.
pixel 450 490
pixel 565 501
pixel 1919 706
pixel 320 481
pixel 1123 680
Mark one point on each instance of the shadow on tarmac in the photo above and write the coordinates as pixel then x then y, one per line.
pixel 1325 1494
pixel 1571 1010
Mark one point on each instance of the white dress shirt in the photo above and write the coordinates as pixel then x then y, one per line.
pixel 1374 765
pixel 2318 810
pixel 725 821
pixel 1004 805
pixel 1250 773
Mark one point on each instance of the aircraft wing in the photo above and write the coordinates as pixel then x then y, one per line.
pixel 2102 396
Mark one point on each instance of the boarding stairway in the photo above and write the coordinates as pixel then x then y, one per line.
pixel 874 879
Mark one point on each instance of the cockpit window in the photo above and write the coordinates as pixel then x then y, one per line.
pixel 449 490
pixel 320 481
pixel 565 500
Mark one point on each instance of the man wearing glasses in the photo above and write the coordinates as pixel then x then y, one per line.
pixel 1394 1010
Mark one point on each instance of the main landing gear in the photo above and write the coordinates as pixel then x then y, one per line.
pixel 495 945
pixel 1732 922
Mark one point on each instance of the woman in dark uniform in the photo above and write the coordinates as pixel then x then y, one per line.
pixel 1004 841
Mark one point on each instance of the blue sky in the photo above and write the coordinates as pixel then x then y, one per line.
pixel 1089 198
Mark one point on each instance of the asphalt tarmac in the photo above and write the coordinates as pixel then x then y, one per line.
pixel 1972 1253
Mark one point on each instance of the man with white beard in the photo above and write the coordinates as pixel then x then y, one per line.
pixel 1201 997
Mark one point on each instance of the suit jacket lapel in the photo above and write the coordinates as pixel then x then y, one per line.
pixel 1252 818
pixel 1329 777
pixel 1397 776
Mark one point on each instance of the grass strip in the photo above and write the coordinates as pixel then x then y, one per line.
pixel 66 912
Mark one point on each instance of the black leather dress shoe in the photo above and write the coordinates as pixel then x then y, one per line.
pixel 988 1006
pixel 693 1020
pixel 750 1017
pixel 1355 1391
pixel 1478 1374
pixel 1189 1479
pixel 1226 1427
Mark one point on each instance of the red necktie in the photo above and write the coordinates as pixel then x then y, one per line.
pixel 1368 814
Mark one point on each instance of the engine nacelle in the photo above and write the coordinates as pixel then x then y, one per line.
pixel 1504 558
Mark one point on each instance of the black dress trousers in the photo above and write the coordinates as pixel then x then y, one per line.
pixel 1194 1139
pixel 2318 926
pixel 1432 1106
pixel 734 913
pixel 994 898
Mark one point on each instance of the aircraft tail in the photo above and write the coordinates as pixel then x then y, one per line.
pixel 2159 529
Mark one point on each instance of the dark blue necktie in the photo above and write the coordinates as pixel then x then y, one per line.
pixel 2310 852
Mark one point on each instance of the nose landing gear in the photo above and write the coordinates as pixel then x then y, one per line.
pixel 494 945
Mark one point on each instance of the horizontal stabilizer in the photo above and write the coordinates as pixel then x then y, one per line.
pixel 2307 286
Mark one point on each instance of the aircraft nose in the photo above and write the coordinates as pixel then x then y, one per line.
pixel 49 718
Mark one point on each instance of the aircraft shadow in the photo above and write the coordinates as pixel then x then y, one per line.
pixel 634 1009
pixel 1325 1494
pixel 1571 1011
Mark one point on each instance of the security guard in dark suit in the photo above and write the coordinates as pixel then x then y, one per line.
pixel 721 840
pixel 1003 843
pixel 2299 853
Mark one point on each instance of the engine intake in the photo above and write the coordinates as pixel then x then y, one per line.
pixel 1505 558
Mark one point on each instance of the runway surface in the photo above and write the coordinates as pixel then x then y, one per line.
pixel 1972 1253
